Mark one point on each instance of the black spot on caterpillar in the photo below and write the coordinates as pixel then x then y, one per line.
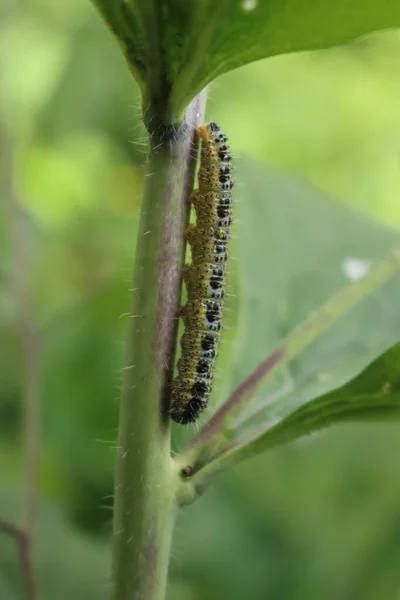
pixel 204 277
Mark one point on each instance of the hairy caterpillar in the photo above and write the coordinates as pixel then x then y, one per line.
pixel 204 277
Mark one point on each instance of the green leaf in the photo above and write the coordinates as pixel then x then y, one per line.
pixel 298 249
pixel 176 48
pixel 294 345
pixel 373 395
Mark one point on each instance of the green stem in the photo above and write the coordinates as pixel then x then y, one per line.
pixel 146 479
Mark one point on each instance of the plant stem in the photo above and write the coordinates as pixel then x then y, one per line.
pixel 146 476
pixel 22 246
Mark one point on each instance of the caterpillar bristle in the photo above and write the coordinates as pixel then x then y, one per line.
pixel 204 277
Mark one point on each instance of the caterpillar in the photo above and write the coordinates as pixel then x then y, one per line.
pixel 204 277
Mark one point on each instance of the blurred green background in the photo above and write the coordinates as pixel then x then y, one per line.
pixel 319 519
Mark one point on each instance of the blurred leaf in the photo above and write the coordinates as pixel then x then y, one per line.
pixel 332 499
pixel 32 63
pixel 297 250
pixel 90 100
pixel 177 47
pixel 78 167
pixel 348 136
pixel 320 321
pixel 373 395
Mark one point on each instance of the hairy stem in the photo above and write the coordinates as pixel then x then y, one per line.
pixel 145 473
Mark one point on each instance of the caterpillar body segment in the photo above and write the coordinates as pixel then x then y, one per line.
pixel 205 277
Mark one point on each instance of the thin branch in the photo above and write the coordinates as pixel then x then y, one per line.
pixel 20 232
pixel 23 543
